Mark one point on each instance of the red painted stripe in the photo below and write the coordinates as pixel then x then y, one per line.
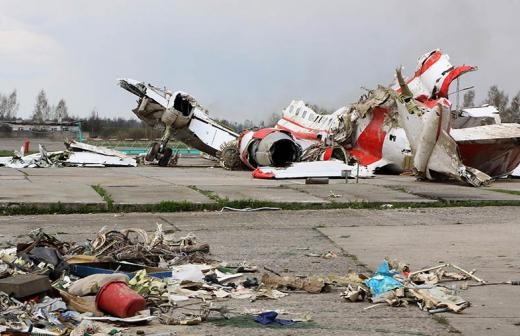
pixel 263 132
pixel 369 145
pixel 300 135
pixel 443 92
pixel 302 126
pixel 428 62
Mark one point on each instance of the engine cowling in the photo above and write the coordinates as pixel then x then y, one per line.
pixel 268 147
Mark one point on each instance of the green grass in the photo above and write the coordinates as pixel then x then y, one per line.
pixel 105 195
pixel 441 319
pixel 505 191
pixel 219 203
pixel 4 152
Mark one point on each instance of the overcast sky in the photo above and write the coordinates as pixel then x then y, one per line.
pixel 244 59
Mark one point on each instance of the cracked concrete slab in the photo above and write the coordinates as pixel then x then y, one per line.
pixel 48 193
pixel 154 194
pixel 358 192
pixel 262 193
pixel 486 244
pixel 451 192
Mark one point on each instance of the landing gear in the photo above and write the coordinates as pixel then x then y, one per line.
pixel 165 157
pixel 159 152
pixel 152 152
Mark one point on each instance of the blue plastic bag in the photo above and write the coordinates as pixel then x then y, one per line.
pixel 383 280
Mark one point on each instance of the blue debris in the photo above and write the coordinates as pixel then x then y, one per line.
pixel 383 280
pixel 269 317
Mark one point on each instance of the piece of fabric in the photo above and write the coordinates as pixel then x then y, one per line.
pixel 269 317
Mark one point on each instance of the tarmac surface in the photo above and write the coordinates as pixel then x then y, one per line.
pixel 426 233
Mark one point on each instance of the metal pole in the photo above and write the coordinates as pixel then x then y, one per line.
pixel 458 95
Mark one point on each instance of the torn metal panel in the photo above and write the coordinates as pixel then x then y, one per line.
pixel 83 147
pixel 476 116
pixel 427 130
pixel 516 172
pixel 78 155
pixel 493 149
pixel 332 168
pixel 89 159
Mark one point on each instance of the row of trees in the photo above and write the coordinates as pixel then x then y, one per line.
pixel 45 112
pixel 117 128
pixel 106 127
pixel 9 106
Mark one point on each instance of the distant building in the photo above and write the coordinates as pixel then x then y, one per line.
pixel 28 128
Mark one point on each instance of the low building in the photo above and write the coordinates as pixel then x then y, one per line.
pixel 27 128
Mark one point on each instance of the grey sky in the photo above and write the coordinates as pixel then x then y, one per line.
pixel 244 59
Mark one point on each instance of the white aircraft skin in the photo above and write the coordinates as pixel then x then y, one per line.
pixel 380 131
pixel 375 142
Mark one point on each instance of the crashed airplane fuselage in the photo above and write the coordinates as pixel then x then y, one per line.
pixel 185 120
pixel 410 126
pixel 182 118
pixel 406 126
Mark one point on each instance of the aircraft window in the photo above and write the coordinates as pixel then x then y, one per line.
pixel 310 117
pixel 297 111
pixel 392 137
pixel 304 114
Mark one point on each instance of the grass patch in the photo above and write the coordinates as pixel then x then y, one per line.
pixel 441 320
pixel 208 193
pixel 247 321
pixel 4 152
pixel 219 203
pixel 57 208
pixel 105 195
pixel 505 191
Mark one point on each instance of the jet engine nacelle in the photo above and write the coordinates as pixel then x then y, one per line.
pixel 268 147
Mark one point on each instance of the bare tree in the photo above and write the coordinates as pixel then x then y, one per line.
pixel 469 99
pixel 12 105
pixel 62 112
pixel 513 112
pixel 499 99
pixel 41 108
pixel 3 107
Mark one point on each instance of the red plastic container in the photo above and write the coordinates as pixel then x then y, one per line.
pixel 117 299
pixel 26 143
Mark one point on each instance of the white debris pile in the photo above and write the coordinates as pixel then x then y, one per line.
pixel 77 154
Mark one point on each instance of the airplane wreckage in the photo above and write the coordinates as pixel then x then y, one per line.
pixel 410 125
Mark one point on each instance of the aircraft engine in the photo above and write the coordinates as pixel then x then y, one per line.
pixel 268 147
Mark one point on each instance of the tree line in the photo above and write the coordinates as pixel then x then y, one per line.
pixel 132 128
pixel 509 110
pixel 42 111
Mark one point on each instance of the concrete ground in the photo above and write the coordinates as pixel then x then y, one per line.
pixel 279 240
pixel 192 182
pixel 481 238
